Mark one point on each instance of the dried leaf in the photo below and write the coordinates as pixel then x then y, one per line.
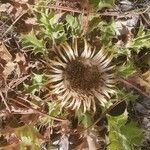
pixel 4 53
pixel 144 81
pixel 31 21
pixel 9 68
pixel 4 7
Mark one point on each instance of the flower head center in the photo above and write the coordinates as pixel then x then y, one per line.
pixel 82 75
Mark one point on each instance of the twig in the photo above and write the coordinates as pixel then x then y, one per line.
pixel 16 110
pixel 133 86
pixel 38 111
pixel 27 101
pixel 14 23
pixel 16 82
pixel 104 113
pixel 147 22
pixel 110 13
pixel 4 101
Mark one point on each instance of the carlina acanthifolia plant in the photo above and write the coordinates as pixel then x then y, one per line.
pixel 81 77
pixel 81 82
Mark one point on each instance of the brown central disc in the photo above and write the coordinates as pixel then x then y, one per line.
pixel 82 76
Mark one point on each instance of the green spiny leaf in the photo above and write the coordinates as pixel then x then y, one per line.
pixel 50 25
pixel 53 110
pixel 28 137
pixel 142 39
pixel 30 40
pixel 73 24
pixel 106 3
pixel 93 23
pixel 84 118
pixel 126 69
pixel 123 135
pixel 102 3
pixel 72 21
pixel 37 80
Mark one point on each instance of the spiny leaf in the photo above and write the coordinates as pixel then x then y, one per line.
pixel 36 80
pixel 107 31
pixel 30 40
pixel 84 118
pixel 94 2
pixel 93 23
pixel 50 24
pixel 126 69
pixel 123 135
pixel 53 110
pixel 106 3
pixel 102 3
pixel 142 39
pixel 73 24
pixel 28 137
pixel 72 21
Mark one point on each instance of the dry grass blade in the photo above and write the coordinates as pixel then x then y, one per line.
pixel 14 23
pixel 4 101
pixel 37 111
pixel 126 82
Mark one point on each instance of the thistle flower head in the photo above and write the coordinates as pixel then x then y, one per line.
pixel 81 78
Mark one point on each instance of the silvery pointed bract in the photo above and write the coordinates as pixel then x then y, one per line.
pixel 81 78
